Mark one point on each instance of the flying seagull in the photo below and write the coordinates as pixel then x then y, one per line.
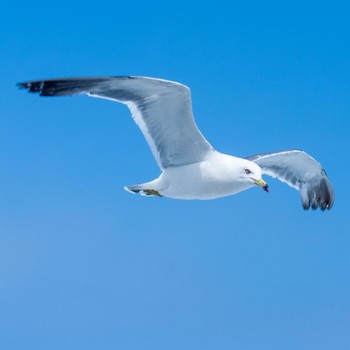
pixel 191 167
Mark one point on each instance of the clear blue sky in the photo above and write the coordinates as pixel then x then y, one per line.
pixel 86 265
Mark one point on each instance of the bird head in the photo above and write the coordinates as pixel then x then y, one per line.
pixel 251 174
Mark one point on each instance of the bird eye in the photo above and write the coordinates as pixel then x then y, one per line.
pixel 247 171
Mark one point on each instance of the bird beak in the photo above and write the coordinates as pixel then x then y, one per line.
pixel 262 184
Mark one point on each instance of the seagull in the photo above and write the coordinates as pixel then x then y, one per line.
pixel 190 167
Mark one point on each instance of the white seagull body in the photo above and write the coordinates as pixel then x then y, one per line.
pixel 191 167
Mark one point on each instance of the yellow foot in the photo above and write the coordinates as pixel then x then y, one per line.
pixel 152 193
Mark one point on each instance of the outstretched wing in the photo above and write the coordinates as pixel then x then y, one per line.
pixel 162 109
pixel 300 171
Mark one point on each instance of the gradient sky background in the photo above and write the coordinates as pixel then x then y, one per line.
pixel 86 265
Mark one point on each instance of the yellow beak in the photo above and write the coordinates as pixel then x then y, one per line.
pixel 262 184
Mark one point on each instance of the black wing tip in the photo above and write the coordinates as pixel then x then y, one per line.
pixel 306 206
pixel 319 195
pixel 315 206
pixel 59 87
pixel 22 85
pixel 35 86
pixel 323 204
pixel 328 206
pixel 68 86
pixel 63 86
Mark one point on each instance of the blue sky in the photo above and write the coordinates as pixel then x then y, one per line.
pixel 86 265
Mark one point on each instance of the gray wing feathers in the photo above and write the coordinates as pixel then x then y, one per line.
pixel 162 109
pixel 302 172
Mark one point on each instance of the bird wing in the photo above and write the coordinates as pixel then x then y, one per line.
pixel 300 171
pixel 162 109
